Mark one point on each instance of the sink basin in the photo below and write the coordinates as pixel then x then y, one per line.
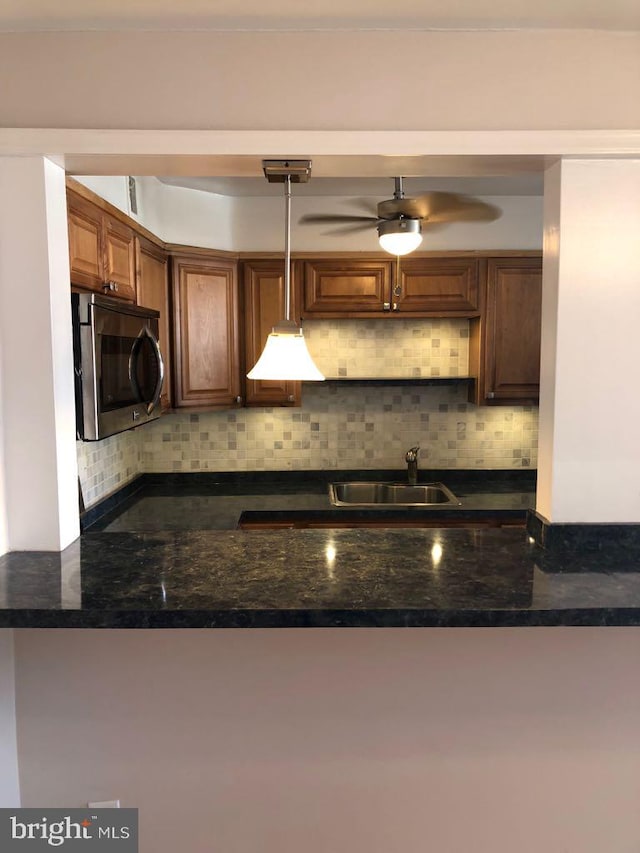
pixel 390 494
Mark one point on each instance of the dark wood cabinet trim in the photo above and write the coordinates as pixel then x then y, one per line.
pixel 385 256
pixel 179 250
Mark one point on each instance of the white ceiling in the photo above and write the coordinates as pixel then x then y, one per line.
pixel 318 14
pixel 379 188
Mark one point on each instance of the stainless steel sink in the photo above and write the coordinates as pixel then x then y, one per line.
pixel 390 494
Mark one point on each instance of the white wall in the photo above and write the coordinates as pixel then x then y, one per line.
pixel 152 200
pixel 9 787
pixel 589 406
pixel 4 534
pixel 246 224
pixel 317 740
pixel 112 188
pixel 194 218
pixel 38 406
pixel 516 80
pixel 259 226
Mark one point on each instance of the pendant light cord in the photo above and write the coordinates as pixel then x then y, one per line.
pixel 287 247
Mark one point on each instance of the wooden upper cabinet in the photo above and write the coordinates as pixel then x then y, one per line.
pixel 420 286
pixel 85 242
pixel 346 287
pixel 101 249
pixel 119 259
pixel 505 342
pixel 446 287
pixel 206 344
pixel 264 298
pixel 152 285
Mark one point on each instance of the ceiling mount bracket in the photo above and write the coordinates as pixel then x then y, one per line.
pixel 277 171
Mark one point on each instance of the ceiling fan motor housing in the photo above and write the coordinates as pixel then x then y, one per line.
pixel 401 225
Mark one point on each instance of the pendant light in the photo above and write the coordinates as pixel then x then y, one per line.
pixel 285 355
pixel 399 236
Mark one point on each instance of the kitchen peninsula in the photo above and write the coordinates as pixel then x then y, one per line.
pixel 150 563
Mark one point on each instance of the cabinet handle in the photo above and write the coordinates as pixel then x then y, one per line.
pixel 395 306
pixel 111 286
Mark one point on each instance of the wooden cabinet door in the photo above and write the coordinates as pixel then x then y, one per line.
pixel 505 344
pixel 101 250
pixel 206 350
pixel 346 288
pixel 445 287
pixel 264 297
pixel 152 286
pixel 85 243
pixel 119 259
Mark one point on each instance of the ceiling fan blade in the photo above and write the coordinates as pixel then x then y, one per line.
pixel 334 219
pixel 454 207
pixel 440 207
pixel 367 205
pixel 354 228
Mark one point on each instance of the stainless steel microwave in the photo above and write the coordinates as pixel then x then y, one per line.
pixel 118 365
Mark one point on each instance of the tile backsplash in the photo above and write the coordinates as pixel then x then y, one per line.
pixel 104 466
pixel 390 347
pixel 338 426
pixel 348 427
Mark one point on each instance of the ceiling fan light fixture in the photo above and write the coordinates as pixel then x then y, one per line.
pixel 285 356
pixel 400 236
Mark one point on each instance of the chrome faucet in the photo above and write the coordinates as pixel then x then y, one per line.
pixel 411 457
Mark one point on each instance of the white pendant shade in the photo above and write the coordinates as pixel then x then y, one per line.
pixel 400 243
pixel 285 357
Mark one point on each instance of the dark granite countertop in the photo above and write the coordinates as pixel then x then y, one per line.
pixel 221 501
pixel 206 578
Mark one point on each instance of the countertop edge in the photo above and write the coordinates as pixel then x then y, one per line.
pixel 311 618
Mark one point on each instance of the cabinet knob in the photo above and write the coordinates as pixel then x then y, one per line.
pixel 111 286
pixel 238 400
pixel 291 398
pixel 491 395
pixel 386 306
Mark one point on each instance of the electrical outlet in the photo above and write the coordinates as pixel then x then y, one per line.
pixel 105 804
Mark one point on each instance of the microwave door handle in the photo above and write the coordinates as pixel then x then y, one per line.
pixel 135 387
pixel 158 389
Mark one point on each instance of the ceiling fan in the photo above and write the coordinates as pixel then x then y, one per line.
pixel 399 220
